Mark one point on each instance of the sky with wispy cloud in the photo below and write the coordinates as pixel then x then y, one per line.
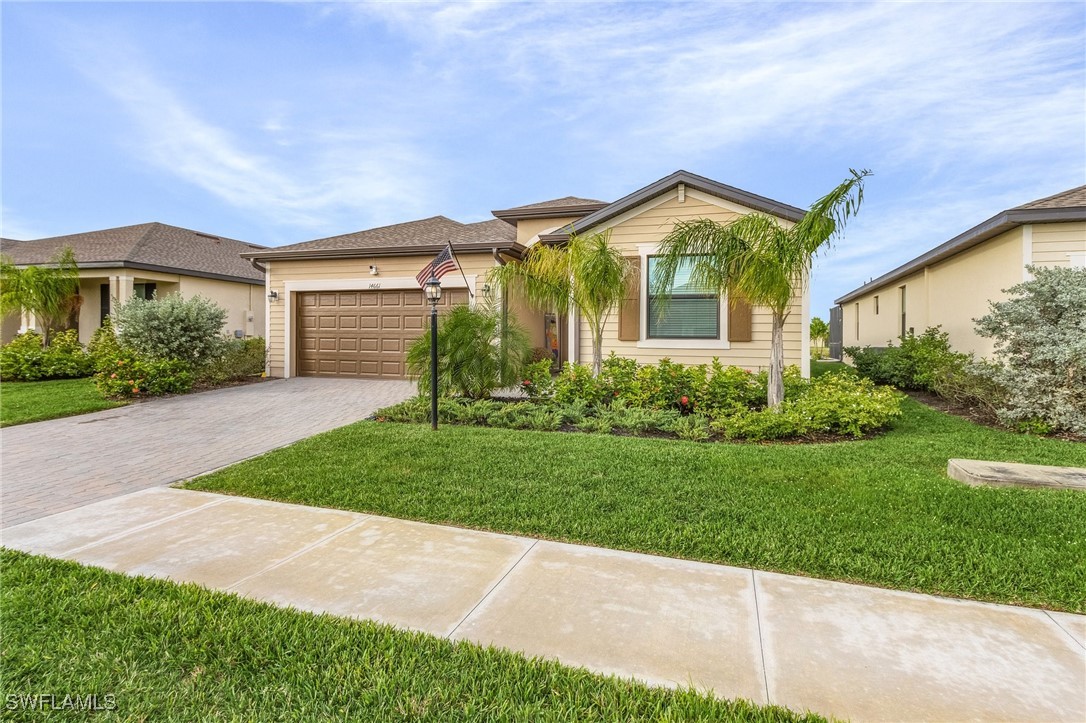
pixel 281 122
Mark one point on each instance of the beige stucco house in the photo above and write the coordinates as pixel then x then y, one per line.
pixel 952 284
pixel 349 305
pixel 151 258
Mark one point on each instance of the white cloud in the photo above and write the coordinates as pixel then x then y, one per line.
pixel 332 174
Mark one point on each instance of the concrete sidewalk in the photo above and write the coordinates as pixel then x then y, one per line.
pixel 837 649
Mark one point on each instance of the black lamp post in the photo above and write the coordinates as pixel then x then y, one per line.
pixel 433 295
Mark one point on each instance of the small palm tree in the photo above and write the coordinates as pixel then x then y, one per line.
pixel 50 293
pixel 586 274
pixel 756 258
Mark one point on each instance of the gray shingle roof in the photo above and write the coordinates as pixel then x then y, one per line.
pixel 559 203
pixel 423 234
pixel 567 206
pixel 664 185
pixel 1067 205
pixel 152 246
pixel 1072 198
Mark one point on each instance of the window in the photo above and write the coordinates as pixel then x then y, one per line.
pixel 691 312
pixel 876 306
pixel 902 290
pixel 103 293
pixel 857 321
pixel 144 291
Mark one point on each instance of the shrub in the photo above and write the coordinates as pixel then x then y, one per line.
pixel 129 375
pixel 576 383
pixel 1040 347
pixel 104 345
pixel 476 353
pixel 917 364
pixel 762 424
pixel 24 359
pixel 842 404
pixel 538 383
pixel 189 330
pixel 972 385
pixel 730 388
pixel 238 359
pixel 692 428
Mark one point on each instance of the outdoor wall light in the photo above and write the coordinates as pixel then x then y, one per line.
pixel 273 295
pixel 373 269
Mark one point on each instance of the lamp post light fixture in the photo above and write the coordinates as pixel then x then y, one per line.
pixel 433 295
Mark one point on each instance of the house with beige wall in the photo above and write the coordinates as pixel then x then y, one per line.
pixel 349 305
pixel 146 260
pixel 953 284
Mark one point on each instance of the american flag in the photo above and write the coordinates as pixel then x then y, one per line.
pixel 442 264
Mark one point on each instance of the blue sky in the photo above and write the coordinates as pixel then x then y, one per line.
pixel 282 122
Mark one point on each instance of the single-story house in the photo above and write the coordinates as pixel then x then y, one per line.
pixel 349 305
pixel 150 258
pixel 952 284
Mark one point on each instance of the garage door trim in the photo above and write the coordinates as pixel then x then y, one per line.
pixel 370 283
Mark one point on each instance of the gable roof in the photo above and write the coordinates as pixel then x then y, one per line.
pixel 413 237
pixel 666 184
pixel 1067 205
pixel 555 208
pixel 148 246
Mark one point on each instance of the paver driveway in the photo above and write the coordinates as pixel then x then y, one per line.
pixel 53 466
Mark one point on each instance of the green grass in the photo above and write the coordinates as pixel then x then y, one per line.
pixel 879 511
pixel 180 652
pixel 22 402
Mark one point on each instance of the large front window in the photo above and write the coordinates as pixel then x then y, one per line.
pixel 688 312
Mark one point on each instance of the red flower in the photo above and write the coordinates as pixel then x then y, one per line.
pixel 684 400
pixel 113 375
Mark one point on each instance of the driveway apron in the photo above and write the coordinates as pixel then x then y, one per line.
pixel 57 465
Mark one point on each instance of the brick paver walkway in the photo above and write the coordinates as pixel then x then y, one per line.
pixel 58 465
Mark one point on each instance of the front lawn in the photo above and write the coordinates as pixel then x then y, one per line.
pixel 160 651
pixel 22 402
pixel 879 511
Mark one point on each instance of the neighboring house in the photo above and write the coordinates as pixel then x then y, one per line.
pixel 151 258
pixel 952 284
pixel 349 305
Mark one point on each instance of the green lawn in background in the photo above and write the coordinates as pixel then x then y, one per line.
pixel 22 402
pixel 180 652
pixel 878 511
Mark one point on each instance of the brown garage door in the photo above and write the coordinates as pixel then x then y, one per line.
pixel 362 333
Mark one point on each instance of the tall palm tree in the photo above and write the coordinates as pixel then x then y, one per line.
pixel 757 259
pixel 586 274
pixel 49 292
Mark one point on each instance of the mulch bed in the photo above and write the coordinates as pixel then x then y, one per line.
pixel 980 415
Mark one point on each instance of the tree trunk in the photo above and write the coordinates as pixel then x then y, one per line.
pixel 597 351
pixel 776 363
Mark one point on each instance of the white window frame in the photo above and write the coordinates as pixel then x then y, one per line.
pixel 644 251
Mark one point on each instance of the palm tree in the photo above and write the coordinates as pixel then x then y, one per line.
pixel 757 259
pixel 586 274
pixel 49 293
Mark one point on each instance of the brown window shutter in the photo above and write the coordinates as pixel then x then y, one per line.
pixel 739 320
pixel 629 312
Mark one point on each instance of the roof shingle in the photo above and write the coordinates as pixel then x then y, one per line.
pixel 426 232
pixel 1072 198
pixel 148 245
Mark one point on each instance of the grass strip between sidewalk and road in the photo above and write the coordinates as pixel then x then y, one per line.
pixel 879 511
pixel 163 651
pixel 22 402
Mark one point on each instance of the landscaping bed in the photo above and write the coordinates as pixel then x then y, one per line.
pixel 155 650
pixel 700 403
pixel 878 511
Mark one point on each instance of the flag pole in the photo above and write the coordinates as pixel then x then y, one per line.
pixel 471 293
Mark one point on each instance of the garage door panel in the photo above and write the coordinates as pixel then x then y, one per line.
pixel 364 333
